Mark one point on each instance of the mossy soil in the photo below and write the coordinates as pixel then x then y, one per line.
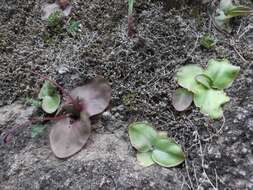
pixel 141 72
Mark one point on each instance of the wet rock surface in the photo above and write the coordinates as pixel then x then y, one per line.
pixel 141 71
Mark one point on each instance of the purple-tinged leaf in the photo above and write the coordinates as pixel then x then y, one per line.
pixel 182 99
pixel 67 138
pixel 94 97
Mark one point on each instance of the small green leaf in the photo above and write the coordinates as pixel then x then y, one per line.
pixel 51 103
pixel 55 18
pixel 142 135
pixel 204 80
pixel 182 99
pixel 145 159
pixel 207 41
pixel 72 27
pixel 238 11
pixel 210 101
pixel 130 6
pixel 47 90
pixel 221 72
pixel 186 77
pixel 167 153
pixel 37 130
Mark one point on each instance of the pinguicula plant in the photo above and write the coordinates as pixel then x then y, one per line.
pixel 50 98
pixel 207 41
pixel 205 87
pixel 55 20
pixel 72 128
pixel 154 147
pixel 130 18
pixel 72 27
pixel 227 10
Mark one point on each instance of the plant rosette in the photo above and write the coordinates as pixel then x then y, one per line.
pixel 154 147
pixel 205 87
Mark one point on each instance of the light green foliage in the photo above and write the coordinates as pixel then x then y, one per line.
pixel 145 158
pixel 130 7
pixel 46 90
pixel 156 148
pixel 208 94
pixel 204 80
pixel 37 130
pixel 228 10
pixel 51 103
pixel 186 77
pixel 55 19
pixel 167 153
pixel 50 97
pixel 210 101
pixel 142 135
pixel 207 41
pixel 221 73
pixel 72 27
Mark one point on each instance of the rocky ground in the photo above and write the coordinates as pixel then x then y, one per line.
pixel 141 72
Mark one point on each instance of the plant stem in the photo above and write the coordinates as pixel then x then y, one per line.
pixel 74 102
pixel 130 17
pixel 7 136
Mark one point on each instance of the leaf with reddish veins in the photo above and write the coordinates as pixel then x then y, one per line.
pixel 95 97
pixel 67 138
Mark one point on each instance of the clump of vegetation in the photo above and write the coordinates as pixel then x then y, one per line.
pixel 227 10
pixel 205 87
pixel 207 41
pixel 50 98
pixel 72 27
pixel 73 127
pixel 55 19
pixel 154 147
pixel 130 18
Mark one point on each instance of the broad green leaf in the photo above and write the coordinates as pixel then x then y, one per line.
pixel 204 80
pixel 238 11
pixel 221 72
pixel 210 101
pixel 186 77
pixel 51 103
pixel 226 5
pixel 145 159
pixel 167 153
pixel 182 99
pixel 142 135
pixel 37 130
pixel 47 90
pixel 207 41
